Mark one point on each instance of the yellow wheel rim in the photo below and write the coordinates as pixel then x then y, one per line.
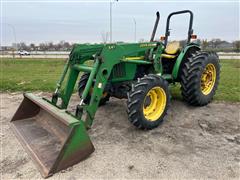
pixel 208 79
pixel 154 103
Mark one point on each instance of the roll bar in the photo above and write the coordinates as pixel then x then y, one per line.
pixel 190 30
pixel 155 26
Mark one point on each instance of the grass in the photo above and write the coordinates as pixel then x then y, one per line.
pixel 42 74
pixel 229 54
pixel 30 74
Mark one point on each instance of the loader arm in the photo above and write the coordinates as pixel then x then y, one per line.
pixel 57 139
pixel 103 64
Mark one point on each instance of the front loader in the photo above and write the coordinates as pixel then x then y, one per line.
pixel 139 72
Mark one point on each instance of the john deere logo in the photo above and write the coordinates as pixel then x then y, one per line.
pixel 147 45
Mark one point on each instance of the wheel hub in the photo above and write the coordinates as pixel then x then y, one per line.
pixel 208 79
pixel 154 103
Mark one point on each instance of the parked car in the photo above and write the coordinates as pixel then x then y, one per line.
pixel 23 53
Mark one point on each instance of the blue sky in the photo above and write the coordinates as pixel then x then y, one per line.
pixel 84 22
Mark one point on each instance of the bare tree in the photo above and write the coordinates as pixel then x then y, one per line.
pixel 66 45
pixel 236 45
pixel 22 46
pixel 205 44
pixel 50 46
pixel 215 43
pixel 43 46
pixel 32 46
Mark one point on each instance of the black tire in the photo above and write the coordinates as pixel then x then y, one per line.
pixel 81 86
pixel 136 100
pixel 191 76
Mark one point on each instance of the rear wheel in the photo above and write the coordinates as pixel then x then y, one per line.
pixel 148 102
pixel 81 86
pixel 200 78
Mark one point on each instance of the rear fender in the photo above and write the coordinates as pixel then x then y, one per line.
pixel 181 57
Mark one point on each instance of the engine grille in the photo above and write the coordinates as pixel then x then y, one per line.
pixel 119 70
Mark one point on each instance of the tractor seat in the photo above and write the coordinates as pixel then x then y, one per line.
pixel 171 50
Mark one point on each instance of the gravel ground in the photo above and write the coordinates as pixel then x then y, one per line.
pixel 197 143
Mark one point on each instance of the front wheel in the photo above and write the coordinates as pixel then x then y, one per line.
pixel 200 78
pixel 81 86
pixel 148 102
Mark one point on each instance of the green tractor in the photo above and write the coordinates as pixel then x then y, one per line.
pixel 139 72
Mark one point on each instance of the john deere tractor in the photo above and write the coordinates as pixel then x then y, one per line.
pixel 139 72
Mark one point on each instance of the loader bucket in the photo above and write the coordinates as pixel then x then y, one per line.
pixel 54 139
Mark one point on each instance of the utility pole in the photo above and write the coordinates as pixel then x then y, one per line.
pixel 111 3
pixel 14 35
pixel 14 32
pixel 135 29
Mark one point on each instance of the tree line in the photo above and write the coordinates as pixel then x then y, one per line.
pixel 217 45
pixel 213 44
pixel 48 46
pixel 221 45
